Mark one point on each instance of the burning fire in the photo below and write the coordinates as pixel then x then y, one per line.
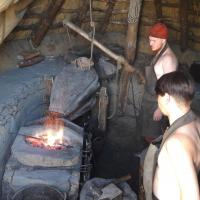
pixel 54 129
pixel 52 137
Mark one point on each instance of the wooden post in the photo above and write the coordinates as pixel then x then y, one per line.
pixel 158 6
pixel 103 106
pixel 108 14
pixel 184 24
pixel 46 21
pixel 133 21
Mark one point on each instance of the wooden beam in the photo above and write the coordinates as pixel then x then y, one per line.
pixel 130 51
pixel 184 24
pixel 133 21
pixel 111 54
pixel 46 21
pixel 108 14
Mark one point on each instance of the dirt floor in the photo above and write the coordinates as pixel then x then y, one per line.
pixel 117 157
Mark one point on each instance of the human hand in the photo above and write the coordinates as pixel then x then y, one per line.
pixel 157 115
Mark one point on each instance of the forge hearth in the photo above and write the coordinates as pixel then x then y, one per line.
pixel 29 166
pixel 29 155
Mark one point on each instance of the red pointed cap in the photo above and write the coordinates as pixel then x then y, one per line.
pixel 159 30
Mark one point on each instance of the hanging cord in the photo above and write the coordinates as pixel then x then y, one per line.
pixel 69 39
pixel 134 106
pixel 116 95
pixel 92 25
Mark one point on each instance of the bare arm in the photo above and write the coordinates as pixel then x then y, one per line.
pixel 179 156
pixel 169 63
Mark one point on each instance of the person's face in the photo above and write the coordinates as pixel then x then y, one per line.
pixel 156 43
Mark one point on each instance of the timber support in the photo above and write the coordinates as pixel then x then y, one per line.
pixel 46 21
pixel 133 21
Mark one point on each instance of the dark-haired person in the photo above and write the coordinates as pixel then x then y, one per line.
pixel 163 62
pixel 178 160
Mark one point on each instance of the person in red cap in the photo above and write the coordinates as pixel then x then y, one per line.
pixel 163 62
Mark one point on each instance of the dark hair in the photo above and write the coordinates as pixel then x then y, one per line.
pixel 177 84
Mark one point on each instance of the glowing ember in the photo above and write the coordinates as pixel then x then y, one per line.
pixel 53 137
pixel 50 139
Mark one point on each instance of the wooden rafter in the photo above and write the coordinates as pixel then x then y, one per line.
pixel 109 10
pixel 46 21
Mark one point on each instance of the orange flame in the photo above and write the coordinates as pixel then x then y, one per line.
pixel 54 137
pixel 54 130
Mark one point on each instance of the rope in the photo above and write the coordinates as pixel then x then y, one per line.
pixel 134 11
pixel 134 106
pixel 69 38
pixel 93 33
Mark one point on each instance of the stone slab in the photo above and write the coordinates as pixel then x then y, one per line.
pixel 111 192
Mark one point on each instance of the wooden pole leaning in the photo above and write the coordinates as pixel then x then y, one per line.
pixel 120 59
pixel 110 53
